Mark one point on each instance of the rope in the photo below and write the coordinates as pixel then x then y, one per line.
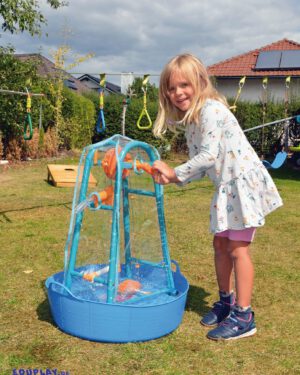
pixel 241 84
pixel 264 110
pixel 144 111
pixel 100 123
pixel 287 95
pixel 277 122
pixel 286 109
pixel 41 117
pixel 126 102
pixel 28 122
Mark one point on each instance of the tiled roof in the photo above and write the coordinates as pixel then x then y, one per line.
pixel 111 87
pixel 46 68
pixel 243 65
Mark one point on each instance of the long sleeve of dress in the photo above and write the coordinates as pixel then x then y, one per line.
pixel 211 123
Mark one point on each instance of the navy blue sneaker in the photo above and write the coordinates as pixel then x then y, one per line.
pixel 219 311
pixel 239 324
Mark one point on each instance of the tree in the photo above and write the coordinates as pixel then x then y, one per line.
pixel 75 113
pixel 16 75
pixel 152 90
pixel 57 89
pixel 24 15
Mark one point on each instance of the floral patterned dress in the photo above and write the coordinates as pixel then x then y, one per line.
pixel 245 192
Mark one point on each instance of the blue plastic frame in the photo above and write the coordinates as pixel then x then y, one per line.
pixel 121 190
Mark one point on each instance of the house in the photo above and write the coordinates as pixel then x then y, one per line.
pixel 276 62
pixel 47 69
pixel 93 83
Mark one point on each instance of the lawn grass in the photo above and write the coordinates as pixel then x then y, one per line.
pixel 34 221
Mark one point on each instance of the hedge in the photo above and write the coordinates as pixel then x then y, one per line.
pixel 79 114
pixel 248 114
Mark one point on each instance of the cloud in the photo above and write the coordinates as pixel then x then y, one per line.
pixel 127 35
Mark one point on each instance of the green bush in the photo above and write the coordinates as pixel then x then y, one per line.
pixel 16 75
pixel 250 115
pixel 76 127
pixel 113 110
pixel 79 120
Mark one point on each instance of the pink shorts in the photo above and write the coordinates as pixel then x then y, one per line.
pixel 246 235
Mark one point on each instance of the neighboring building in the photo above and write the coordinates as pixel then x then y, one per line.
pixel 277 61
pixel 127 80
pixel 93 82
pixel 46 68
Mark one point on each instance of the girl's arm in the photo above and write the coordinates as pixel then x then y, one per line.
pixel 165 174
pixel 212 121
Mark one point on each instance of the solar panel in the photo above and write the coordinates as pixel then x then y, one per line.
pixel 268 60
pixel 290 59
pixel 287 59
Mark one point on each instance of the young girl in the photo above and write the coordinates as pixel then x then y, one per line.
pixel 245 192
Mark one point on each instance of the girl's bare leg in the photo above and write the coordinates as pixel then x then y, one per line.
pixel 243 270
pixel 223 264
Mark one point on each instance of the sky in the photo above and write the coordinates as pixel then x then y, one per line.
pixel 141 36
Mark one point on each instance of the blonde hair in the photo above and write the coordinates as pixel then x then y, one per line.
pixel 196 74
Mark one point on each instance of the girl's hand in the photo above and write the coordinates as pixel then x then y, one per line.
pixel 165 174
pixel 160 178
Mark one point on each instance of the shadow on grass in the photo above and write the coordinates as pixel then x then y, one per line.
pixel 43 310
pixel 8 220
pixel 181 191
pixel 52 184
pixel 286 172
pixel 196 300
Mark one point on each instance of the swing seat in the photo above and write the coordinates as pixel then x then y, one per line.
pixel 277 162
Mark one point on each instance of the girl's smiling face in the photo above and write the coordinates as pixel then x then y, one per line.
pixel 180 92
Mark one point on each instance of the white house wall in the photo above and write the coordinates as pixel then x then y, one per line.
pixel 252 89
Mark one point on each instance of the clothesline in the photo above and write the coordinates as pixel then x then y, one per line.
pixel 19 92
pixel 117 74
pixel 277 122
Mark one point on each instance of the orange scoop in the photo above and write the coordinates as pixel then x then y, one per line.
pixel 90 276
